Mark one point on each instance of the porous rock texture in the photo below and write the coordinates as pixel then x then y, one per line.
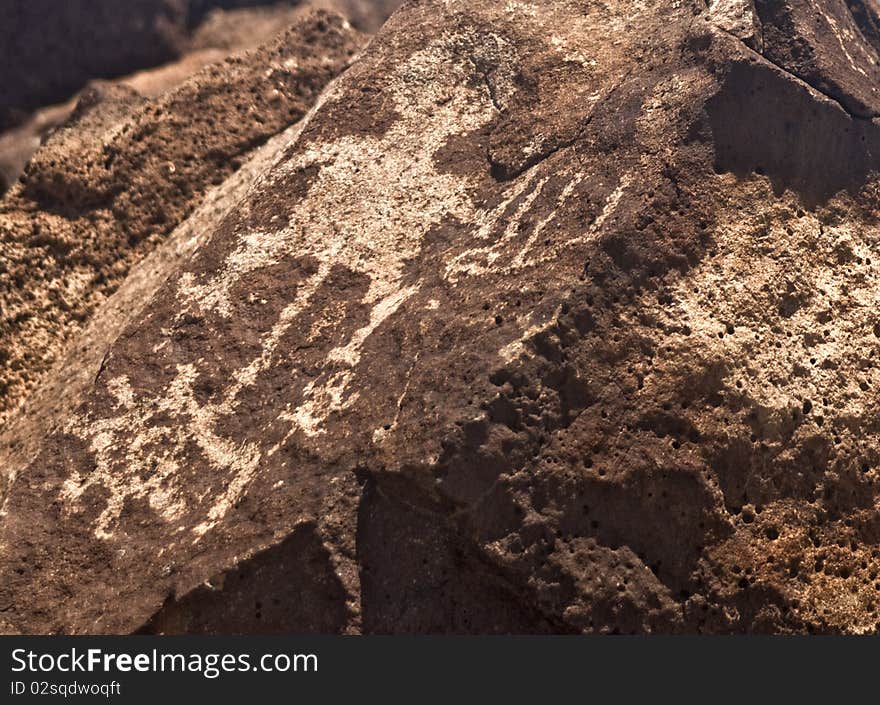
pixel 552 316
pixel 120 175
pixel 35 66
pixel 51 49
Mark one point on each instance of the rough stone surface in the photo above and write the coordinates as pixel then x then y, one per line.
pixel 123 172
pixel 220 33
pixel 49 49
pixel 739 18
pixel 551 316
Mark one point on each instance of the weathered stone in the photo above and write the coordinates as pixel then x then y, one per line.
pixel 740 19
pixel 552 316
pixel 122 173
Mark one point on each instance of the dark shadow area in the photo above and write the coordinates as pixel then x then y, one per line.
pixel 764 123
pixel 290 588
pixel 417 577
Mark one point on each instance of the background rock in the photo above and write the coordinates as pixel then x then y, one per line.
pixel 824 46
pixel 213 30
pixel 366 15
pixel 123 172
pixel 51 49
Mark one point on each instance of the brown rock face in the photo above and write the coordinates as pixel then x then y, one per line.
pixel 123 172
pixel 38 67
pixel 551 316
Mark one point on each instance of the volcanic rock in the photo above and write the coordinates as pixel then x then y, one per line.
pixel 123 172
pixel 216 34
pixel 551 316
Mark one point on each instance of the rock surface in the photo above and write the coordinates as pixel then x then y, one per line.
pixel 118 177
pixel 552 316
pixel 218 30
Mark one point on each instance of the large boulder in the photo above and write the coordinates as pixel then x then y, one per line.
pixel 553 316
